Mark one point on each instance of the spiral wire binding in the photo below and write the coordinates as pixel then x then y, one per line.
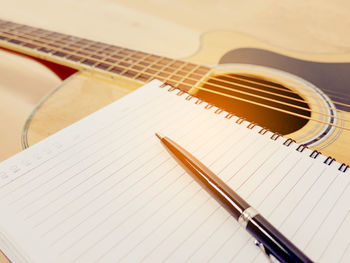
pixel 229 116
pixel 329 160
pixel 301 148
pixel 208 106
pixel 275 136
pixel 314 154
pixel 289 142
pixel 198 101
pixel 263 131
pixel 240 120
pixel 251 125
pixel 189 97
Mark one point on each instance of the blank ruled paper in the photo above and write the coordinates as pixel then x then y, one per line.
pixel 105 189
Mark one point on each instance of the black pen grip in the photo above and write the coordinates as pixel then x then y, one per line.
pixel 274 241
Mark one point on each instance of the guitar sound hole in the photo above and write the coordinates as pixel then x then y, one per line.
pixel 245 87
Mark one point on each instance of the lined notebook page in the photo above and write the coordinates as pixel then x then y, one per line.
pixel 105 189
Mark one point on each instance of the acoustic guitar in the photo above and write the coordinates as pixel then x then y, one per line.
pixel 302 96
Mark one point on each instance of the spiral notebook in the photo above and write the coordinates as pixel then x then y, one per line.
pixel 105 189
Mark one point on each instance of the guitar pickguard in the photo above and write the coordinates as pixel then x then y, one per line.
pixel 332 78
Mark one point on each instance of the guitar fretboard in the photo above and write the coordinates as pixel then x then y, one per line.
pixel 91 55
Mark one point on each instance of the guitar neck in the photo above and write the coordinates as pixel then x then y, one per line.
pixel 97 57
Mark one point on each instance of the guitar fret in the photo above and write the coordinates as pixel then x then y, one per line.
pixel 111 60
pixel 136 67
pixel 89 62
pixel 137 57
pixel 189 81
pixel 89 49
pixel 130 73
pixel 82 52
pixel 202 70
pixel 196 76
pixel 148 70
pixel 60 54
pixel 52 39
pixel 141 75
pixel 44 49
pixel 57 36
pixel 70 39
pixel 152 58
pixel 75 58
pixel 117 56
pixel 116 70
pixel 175 80
pixel 161 74
pixel 143 63
pixel 15 41
pixel 52 44
pixel 97 46
pixel 97 57
pixel 132 64
pixel 41 34
pixel 11 38
pixel 68 49
pixel 165 61
pixel 109 54
pixel 124 64
pixel 171 68
pixel 37 33
pixel 181 73
pixel 194 79
pixel 32 46
pixel 111 49
pixel 127 71
pixel 123 52
pixel 103 66
pixel 103 49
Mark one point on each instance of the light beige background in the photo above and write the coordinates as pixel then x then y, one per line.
pixel 169 28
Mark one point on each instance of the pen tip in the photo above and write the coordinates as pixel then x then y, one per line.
pixel 159 136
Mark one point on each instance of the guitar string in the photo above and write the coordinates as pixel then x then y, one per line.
pixel 262 105
pixel 338 95
pixel 291 91
pixel 42 39
pixel 226 95
pixel 188 78
pixel 279 89
pixel 210 78
pixel 170 66
pixel 292 105
pixel 277 109
pixel 242 92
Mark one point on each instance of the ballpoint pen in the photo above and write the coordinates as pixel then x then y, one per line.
pixel 268 237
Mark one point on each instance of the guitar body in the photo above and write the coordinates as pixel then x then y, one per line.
pixel 228 54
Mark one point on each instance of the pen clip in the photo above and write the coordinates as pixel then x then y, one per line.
pixel 264 250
